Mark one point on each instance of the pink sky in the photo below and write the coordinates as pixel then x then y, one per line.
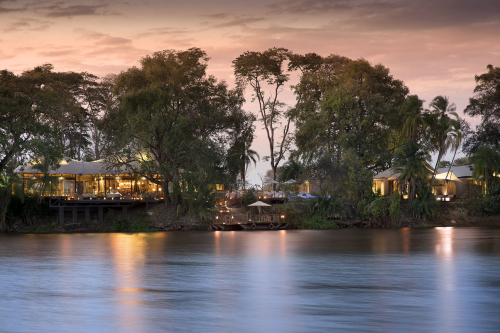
pixel 435 47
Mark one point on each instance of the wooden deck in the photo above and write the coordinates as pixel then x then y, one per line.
pixel 63 205
pixel 230 221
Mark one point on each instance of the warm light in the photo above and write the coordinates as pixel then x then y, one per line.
pixel 447 199
pixel 282 216
pixel 216 217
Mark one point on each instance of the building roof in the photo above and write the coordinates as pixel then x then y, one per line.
pixel 464 171
pixel 387 174
pixel 74 167
pixel 460 172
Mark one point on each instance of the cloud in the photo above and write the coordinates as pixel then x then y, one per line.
pixel 161 31
pixel 58 53
pixel 239 22
pixel 27 24
pixel 217 15
pixel 8 10
pixel 99 38
pixel 309 6
pixel 59 9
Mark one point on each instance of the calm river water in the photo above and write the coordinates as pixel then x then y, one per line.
pixel 404 280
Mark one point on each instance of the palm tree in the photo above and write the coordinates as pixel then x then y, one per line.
pixel 411 163
pixel 414 123
pixel 486 162
pixel 247 157
pixel 445 131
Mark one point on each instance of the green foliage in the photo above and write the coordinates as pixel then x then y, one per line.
pixel 425 205
pixel 410 162
pixel 123 225
pixel 330 208
pixel 182 120
pixel 318 222
pixel 249 197
pixel 488 205
pixel 395 204
pixel 348 109
pixel 486 162
pixel 379 208
pixel 29 209
pixel 295 214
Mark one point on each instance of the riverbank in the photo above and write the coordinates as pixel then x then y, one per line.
pixel 162 218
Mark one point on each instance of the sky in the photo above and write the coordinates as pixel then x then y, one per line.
pixel 435 46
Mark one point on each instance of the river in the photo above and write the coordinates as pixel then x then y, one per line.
pixel 352 280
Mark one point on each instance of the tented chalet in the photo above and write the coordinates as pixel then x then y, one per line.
pixel 457 183
pixel 78 179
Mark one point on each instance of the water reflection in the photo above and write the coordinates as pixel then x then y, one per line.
pixel 443 279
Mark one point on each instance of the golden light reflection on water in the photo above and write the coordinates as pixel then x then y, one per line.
pixel 128 254
pixel 446 277
pixel 406 233
pixel 444 246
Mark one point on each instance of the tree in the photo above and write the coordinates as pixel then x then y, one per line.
pixel 240 156
pixel 444 131
pixel 348 107
pixel 414 122
pixel 485 104
pixel 411 163
pixel 258 69
pixel 35 108
pixel 173 118
pixel 461 161
pixel 486 162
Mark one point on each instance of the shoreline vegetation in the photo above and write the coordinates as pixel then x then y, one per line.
pixel 185 134
pixel 161 218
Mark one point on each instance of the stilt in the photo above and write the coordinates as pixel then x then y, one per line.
pixel 75 214
pixel 87 214
pixel 124 213
pixel 100 214
pixel 61 215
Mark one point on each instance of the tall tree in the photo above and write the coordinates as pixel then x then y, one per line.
pixel 348 107
pixel 173 118
pixel 485 104
pixel 259 69
pixel 445 130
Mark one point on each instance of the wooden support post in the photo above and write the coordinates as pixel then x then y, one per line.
pixel 61 215
pixel 87 214
pixel 124 213
pixel 100 214
pixel 75 214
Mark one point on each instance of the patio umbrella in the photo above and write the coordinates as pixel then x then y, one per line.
pixel 291 181
pixel 259 204
pixel 271 181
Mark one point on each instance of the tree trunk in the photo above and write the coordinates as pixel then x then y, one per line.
pixel 449 168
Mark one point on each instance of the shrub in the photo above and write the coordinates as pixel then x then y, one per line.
pixel 28 209
pixel 424 205
pixel 395 205
pixel 249 197
pixel 487 205
pixel 123 225
pixel 318 222
pixel 329 208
